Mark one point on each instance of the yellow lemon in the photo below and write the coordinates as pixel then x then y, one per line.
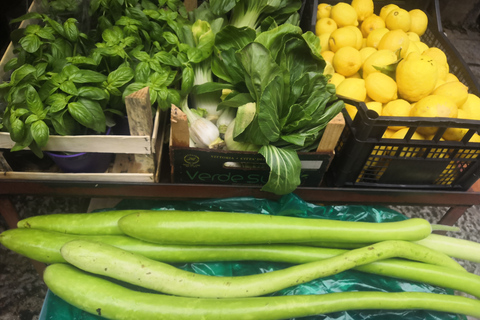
pixel 336 79
pixel 352 88
pixel 456 134
pixel 386 9
pixel 398 19
pixel 396 108
pixel 328 55
pixel 436 54
pixel 366 52
pixel 455 90
pixel 422 46
pixel 418 21
pixel 472 107
pixel 371 23
pixel 416 77
pixel 434 106
pixel 412 47
pixel 388 133
pixel 395 40
pixel 324 42
pixel 323 10
pixel 342 37
pixel 375 106
pixel 356 75
pixel 347 61
pixel 380 58
pixel 374 37
pixel 475 138
pixel 325 25
pixel 344 15
pixel 413 36
pixel 364 8
pixel 400 134
pixel 381 87
pixel 358 33
pixel 451 77
pixel 442 70
pixel 439 83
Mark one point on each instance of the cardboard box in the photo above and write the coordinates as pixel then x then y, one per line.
pixel 214 166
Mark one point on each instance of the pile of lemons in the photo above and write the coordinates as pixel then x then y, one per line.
pixel 382 60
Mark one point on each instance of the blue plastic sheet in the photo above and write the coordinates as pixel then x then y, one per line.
pixel 290 205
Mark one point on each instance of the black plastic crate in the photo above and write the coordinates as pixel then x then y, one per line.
pixel 364 158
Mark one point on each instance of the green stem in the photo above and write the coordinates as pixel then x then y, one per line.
pixel 453 247
pixel 442 227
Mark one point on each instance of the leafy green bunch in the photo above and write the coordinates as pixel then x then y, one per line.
pixel 282 96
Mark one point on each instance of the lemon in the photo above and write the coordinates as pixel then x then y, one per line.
pixel 323 10
pixel 374 37
pixel 455 90
pixel 381 87
pixel 325 25
pixel 442 70
pixel 418 21
pixel 352 88
pixel 358 33
pixel 395 40
pixel 472 107
pixel 439 83
pixel 475 138
pixel 422 46
pixel 400 134
pixel 380 58
pixel 396 108
pixel 375 106
pixel 398 19
pixel 324 42
pixel 436 54
pixel 386 9
pixel 342 37
pixel 388 133
pixel 412 47
pixel 344 15
pixel 371 23
pixel 366 52
pixel 356 75
pixel 364 8
pixel 434 106
pixel 416 77
pixel 456 134
pixel 336 79
pixel 413 36
pixel 451 77
pixel 347 61
pixel 328 55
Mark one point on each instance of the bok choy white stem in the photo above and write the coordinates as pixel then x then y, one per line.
pixel 202 131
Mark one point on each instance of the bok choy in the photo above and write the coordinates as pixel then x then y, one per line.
pixel 283 99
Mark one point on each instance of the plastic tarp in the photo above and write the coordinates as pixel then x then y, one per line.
pixel 55 308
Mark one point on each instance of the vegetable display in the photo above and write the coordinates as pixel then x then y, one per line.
pixel 150 266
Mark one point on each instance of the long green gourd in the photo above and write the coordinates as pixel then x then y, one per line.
pixel 222 228
pixel 44 246
pixel 107 260
pixel 112 301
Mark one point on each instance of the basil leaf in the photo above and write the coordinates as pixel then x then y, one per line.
pixel 78 60
pixel 21 111
pixel 69 71
pixel 142 72
pixel 24 71
pixel 33 100
pixel 86 76
pixel 17 130
pixel 30 43
pixel 40 132
pixel 188 76
pixel 63 123
pixel 31 119
pixel 71 29
pixel 57 102
pixel 285 169
pixel 120 77
pixel 88 113
pixel 46 33
pixel 69 87
pixel 167 59
pixel 92 93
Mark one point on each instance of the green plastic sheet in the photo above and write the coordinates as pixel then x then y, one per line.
pixel 55 308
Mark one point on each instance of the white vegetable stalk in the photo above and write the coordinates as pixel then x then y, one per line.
pixel 207 101
pixel 202 131
pixel 227 116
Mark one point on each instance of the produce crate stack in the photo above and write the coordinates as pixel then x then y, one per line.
pixel 403 129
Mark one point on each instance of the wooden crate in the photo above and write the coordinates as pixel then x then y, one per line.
pixel 208 166
pixel 137 155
